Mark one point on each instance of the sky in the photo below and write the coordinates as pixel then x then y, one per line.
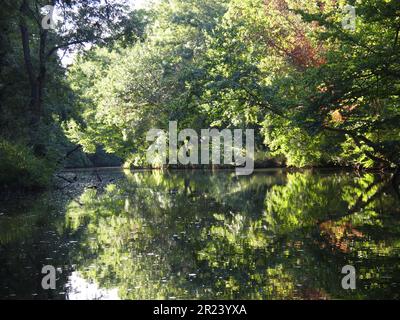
pixel 138 4
pixel 67 59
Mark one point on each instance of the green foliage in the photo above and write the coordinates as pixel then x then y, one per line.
pixel 272 235
pixel 36 101
pixel 125 91
pixel 254 238
pixel 309 89
pixel 315 93
pixel 355 91
pixel 20 168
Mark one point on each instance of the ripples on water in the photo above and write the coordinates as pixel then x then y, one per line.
pixel 203 235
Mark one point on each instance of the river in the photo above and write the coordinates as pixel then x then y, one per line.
pixel 276 234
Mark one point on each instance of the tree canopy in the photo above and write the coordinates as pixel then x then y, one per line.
pixel 316 93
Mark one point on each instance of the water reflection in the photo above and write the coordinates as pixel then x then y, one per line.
pixel 203 235
pixel 80 289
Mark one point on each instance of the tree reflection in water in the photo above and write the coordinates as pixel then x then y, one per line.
pixel 198 235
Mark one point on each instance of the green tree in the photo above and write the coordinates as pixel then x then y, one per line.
pixel 126 91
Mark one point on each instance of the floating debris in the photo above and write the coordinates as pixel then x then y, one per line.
pixel 175 237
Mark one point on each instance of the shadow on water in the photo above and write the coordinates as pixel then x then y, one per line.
pixel 203 235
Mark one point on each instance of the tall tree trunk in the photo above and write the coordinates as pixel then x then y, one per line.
pixel 36 77
pixel 28 58
pixel 42 73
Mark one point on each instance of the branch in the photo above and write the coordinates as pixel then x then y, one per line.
pixel 64 45
pixel 68 154
pixel 65 179
pixel 360 204
pixel 358 139
pixel 396 38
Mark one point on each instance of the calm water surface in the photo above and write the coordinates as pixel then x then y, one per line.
pixel 202 235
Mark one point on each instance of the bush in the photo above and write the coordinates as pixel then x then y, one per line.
pixel 20 168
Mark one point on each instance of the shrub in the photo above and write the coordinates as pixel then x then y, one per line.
pixel 20 168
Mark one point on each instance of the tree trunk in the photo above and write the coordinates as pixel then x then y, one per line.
pixel 36 78
pixel 42 74
pixel 27 58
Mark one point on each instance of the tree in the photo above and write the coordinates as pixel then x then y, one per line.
pixel 83 23
pixel 35 96
pixel 356 92
pixel 131 89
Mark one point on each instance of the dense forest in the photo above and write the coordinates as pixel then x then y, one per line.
pixel 316 93
pixel 84 82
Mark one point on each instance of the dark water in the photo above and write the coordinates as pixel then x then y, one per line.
pixel 199 235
